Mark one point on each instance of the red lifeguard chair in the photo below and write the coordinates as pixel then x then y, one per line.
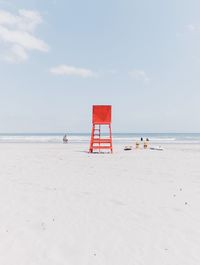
pixel 101 116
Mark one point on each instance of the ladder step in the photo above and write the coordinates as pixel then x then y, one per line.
pixel 101 147
pixel 102 141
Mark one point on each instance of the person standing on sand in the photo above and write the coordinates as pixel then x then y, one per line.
pixel 65 140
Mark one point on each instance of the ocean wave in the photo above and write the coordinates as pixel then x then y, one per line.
pixel 85 138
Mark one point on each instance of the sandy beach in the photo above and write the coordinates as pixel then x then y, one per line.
pixel 60 205
pixel 114 76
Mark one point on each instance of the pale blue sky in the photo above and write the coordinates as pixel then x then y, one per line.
pixel 58 58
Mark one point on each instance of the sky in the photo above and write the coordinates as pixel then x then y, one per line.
pixel 60 57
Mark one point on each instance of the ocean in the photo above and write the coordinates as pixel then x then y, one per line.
pixel 122 138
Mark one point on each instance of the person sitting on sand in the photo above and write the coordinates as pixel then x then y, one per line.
pixel 137 145
pixel 65 140
pixel 146 143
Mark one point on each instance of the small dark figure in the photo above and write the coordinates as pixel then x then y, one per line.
pixel 146 143
pixel 141 139
pixel 65 140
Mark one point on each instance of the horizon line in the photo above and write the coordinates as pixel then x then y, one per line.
pixel 15 133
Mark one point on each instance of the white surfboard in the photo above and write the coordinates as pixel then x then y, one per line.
pixel 157 148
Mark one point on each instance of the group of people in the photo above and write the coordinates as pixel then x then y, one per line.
pixel 144 142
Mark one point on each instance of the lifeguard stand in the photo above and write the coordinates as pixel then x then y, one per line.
pixel 101 116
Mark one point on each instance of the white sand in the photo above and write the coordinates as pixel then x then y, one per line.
pixel 60 206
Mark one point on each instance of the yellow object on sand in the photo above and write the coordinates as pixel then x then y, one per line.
pixel 145 145
pixel 137 145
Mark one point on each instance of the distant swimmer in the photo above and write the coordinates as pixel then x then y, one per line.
pixel 65 140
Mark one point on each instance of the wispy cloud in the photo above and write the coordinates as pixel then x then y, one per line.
pixel 193 28
pixel 17 34
pixel 72 71
pixel 139 75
